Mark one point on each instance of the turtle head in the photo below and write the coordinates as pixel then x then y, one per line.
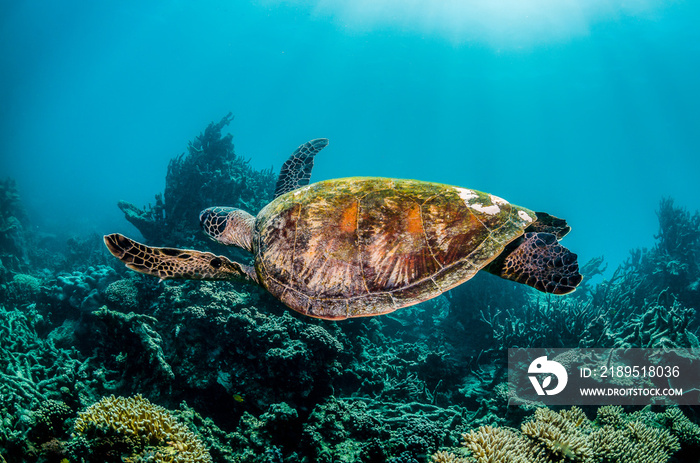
pixel 229 226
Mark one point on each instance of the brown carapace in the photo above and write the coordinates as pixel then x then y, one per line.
pixel 366 246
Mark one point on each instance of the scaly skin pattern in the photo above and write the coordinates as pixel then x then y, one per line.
pixel 167 263
pixel 361 246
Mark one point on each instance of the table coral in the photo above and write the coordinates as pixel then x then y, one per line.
pixel 155 433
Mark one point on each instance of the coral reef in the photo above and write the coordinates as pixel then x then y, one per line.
pixel 149 432
pixel 133 336
pixel 82 290
pixel 253 382
pixel 123 295
pixel 569 435
pixel 210 174
pixel 37 379
pixel 14 243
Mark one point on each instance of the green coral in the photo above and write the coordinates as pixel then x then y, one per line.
pixel 33 371
pixel 123 295
pixel 48 420
pixel 688 433
pixel 152 432
pixel 24 287
pixel 139 340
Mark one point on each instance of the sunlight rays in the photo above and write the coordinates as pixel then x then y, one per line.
pixel 503 23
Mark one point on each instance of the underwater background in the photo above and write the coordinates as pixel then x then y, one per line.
pixel 120 118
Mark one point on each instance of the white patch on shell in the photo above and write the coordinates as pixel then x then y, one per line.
pixel 490 210
pixel 497 200
pixel 525 217
pixel 301 190
pixel 465 194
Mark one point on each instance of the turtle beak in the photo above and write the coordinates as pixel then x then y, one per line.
pixel 203 217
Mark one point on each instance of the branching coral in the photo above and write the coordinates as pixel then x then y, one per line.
pixel 635 442
pixel 32 370
pixel 569 436
pixel 688 433
pixel 497 445
pixel 678 247
pixel 561 434
pixel 447 457
pixel 137 338
pixel 153 431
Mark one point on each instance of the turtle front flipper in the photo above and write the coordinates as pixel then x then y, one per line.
pixel 167 263
pixel 538 260
pixel 296 171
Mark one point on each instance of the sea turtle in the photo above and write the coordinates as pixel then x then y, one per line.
pixel 364 246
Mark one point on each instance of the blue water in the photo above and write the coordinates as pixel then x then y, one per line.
pixel 582 108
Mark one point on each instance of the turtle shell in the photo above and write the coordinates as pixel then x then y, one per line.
pixel 362 246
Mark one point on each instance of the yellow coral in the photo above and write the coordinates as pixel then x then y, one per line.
pixel 447 457
pixel 635 443
pixel 496 445
pixel 610 415
pixel 560 433
pixel 153 427
pixel 569 436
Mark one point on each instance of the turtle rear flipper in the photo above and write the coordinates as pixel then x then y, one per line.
pixel 547 223
pixel 167 263
pixel 296 171
pixel 538 260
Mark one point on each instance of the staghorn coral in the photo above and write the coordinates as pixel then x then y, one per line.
pixel 33 371
pixel 154 433
pixel 676 257
pixel 370 430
